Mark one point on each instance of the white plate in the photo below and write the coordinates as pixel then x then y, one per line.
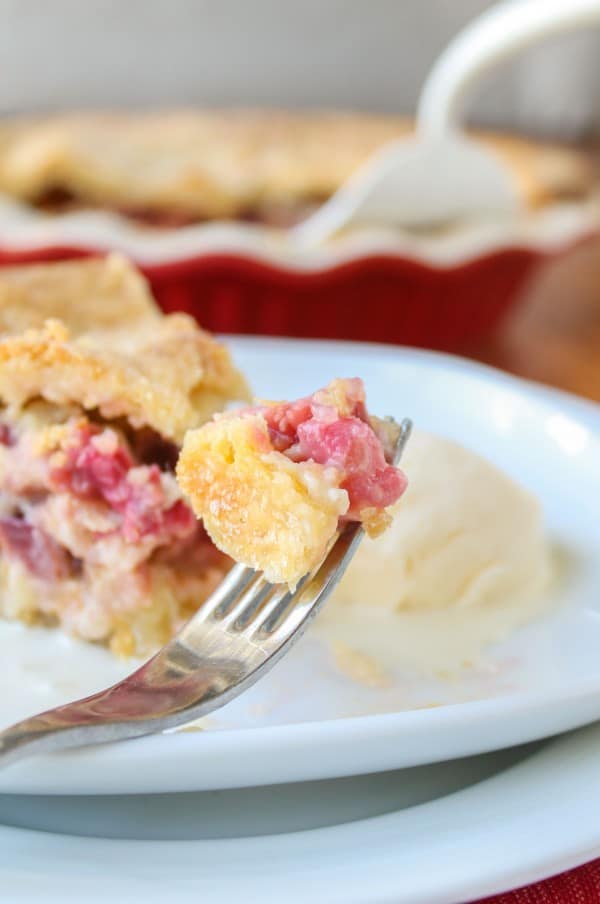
pixel 305 721
pixel 450 833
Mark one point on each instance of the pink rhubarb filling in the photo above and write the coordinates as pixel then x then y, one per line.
pixel 313 429
pixel 38 552
pixel 96 466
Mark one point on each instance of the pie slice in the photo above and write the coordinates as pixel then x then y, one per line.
pixel 97 389
pixel 271 483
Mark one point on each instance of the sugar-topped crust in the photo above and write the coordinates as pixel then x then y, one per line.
pixel 211 164
pixel 111 349
pixel 98 296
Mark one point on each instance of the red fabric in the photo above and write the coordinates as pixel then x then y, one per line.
pixel 578 886
pixel 378 298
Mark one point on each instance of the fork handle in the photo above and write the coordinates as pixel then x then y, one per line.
pixel 72 725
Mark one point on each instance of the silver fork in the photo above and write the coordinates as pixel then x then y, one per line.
pixel 239 633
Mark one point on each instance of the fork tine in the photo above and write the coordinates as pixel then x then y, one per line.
pixel 236 581
pixel 403 437
pixel 246 615
pixel 287 598
pixel 292 604
pixel 306 600
pixel 257 594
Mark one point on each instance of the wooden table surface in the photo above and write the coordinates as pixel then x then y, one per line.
pixel 554 335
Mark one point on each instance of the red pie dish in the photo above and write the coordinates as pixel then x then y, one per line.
pixel 202 202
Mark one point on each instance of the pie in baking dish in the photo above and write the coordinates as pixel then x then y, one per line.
pixel 178 167
pixel 271 483
pixel 97 389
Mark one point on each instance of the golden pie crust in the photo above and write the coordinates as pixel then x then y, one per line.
pixel 262 509
pixel 202 164
pixel 97 339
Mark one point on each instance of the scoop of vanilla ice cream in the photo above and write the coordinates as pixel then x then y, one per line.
pixel 464 534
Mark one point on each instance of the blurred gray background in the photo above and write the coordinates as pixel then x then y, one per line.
pixel 365 54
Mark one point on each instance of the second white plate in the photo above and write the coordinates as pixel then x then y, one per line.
pixel 435 835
